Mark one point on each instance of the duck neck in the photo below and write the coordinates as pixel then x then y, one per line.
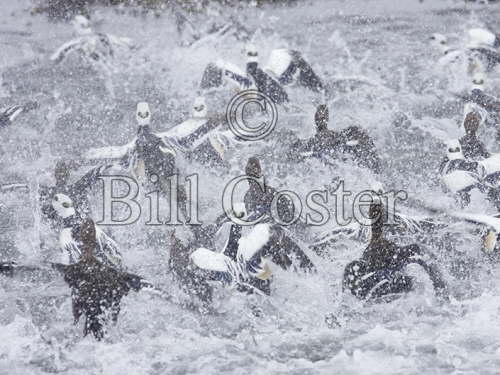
pixel 377 233
pixel 70 221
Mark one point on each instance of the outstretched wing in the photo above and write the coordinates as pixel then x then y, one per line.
pixel 235 75
pixel 11 187
pixel 212 36
pixel 251 244
pixel 215 75
pixel 186 130
pixel 111 152
pixel 490 221
pixel 488 102
pixel 66 49
pixel 190 133
pixel 492 164
pixel 328 239
pixel 31 273
pixel 492 236
pixel 119 41
pixel 460 180
pixel 434 274
pixel 11 113
pixel 107 249
pixel 292 248
pixel 210 260
pixel 219 267
pixel 290 67
pixel 251 250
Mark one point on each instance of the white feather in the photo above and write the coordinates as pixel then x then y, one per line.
pixel 233 74
pixel 491 221
pixel 111 152
pixel 210 260
pixel 279 61
pixel 492 164
pixel 71 252
pixel 109 248
pixel 478 37
pixel 183 129
pixel 459 180
pixel 250 244
pixel 224 65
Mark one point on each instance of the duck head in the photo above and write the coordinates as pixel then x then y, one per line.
pixel 81 25
pixel 143 114
pixel 252 58
pixel 63 205
pixel 454 150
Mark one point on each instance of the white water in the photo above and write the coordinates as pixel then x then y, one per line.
pixel 384 42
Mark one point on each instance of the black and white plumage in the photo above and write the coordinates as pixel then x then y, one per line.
pixel 246 260
pixel 455 63
pixel 96 287
pixel 381 269
pixel 197 137
pixel 148 153
pixel 69 237
pixel 189 133
pixel 492 170
pixel 96 48
pixel 221 73
pixel 461 176
pixel 484 45
pixel 404 225
pixel 480 45
pixel 491 224
pixel 262 80
pixel 458 174
pixel 78 191
pixel 290 68
pixel 230 266
pixel 8 115
pixel 284 68
pixel 477 96
pixel 468 63
pixel 240 263
pixel 151 152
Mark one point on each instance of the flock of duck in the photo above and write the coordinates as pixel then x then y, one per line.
pixel 91 262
